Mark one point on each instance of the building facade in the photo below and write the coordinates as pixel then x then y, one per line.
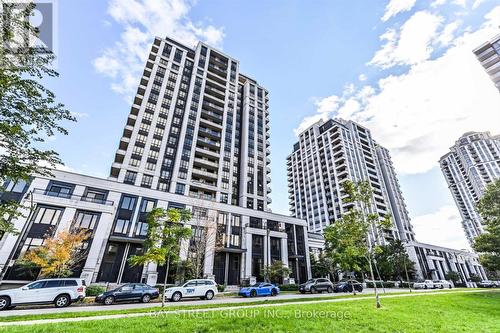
pixel 330 153
pixel 472 163
pixel 434 262
pixel 197 127
pixel 236 242
pixel 488 55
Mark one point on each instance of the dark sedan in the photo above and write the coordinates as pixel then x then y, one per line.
pixel 347 285
pixel 131 292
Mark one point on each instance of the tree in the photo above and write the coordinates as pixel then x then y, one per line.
pixel 452 276
pixel 276 272
pixel 393 261
pixel 163 240
pixel 322 266
pixel 351 240
pixel 488 243
pixel 29 113
pixel 474 278
pixel 204 235
pixel 59 255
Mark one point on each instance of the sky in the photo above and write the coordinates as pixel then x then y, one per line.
pixel 403 68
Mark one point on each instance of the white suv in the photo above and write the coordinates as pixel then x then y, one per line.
pixel 60 292
pixel 202 288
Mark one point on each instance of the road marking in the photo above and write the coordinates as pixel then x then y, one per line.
pixel 173 312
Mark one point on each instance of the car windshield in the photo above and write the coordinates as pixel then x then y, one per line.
pixel 256 285
pixel 310 281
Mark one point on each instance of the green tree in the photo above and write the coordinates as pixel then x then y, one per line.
pixel 322 266
pixel 351 240
pixel 162 245
pixel 276 272
pixel 29 113
pixel 452 276
pixel 393 261
pixel 488 243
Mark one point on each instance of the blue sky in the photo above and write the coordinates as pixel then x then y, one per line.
pixel 404 68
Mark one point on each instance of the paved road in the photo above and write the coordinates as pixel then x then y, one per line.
pixel 217 300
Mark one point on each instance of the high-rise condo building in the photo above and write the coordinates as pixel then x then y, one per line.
pixel 472 163
pixel 488 55
pixel 197 127
pixel 330 153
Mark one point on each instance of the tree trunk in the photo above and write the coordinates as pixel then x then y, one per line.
pixel 377 299
pixel 165 282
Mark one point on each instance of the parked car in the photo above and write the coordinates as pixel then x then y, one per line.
pixel 347 285
pixel 60 292
pixel 424 284
pixel 437 284
pixel 486 284
pixel 260 289
pixel 446 284
pixel 202 288
pixel 316 285
pixel 127 293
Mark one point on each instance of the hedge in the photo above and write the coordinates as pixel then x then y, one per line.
pixel 94 290
pixel 288 287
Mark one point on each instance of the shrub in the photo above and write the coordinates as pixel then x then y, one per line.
pixel 288 287
pixel 405 284
pixel 386 284
pixel 221 287
pixel 94 290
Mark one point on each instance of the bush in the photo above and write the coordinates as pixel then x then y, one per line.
pixel 221 287
pixel 405 284
pixel 386 284
pixel 288 287
pixel 94 290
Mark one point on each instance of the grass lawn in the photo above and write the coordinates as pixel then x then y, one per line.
pixel 461 312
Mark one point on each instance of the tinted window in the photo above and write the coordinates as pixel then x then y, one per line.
pixel 53 284
pixel 70 283
pixel 36 285
pixel 191 284
pixel 208 282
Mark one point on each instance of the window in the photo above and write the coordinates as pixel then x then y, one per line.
pixel 86 220
pixel 147 205
pixel 121 226
pixel 128 203
pixel 47 215
pixel 130 177
pixel 70 283
pixel 180 188
pixel 17 187
pixel 36 285
pixel 53 284
pixel 147 180
pixel 141 229
pixel 61 190
pixel 95 195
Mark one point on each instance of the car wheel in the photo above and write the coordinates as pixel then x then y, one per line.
pixel 302 292
pixel 109 300
pixel 253 293
pixel 274 292
pixel 441 287
pixel 209 295
pixel 329 290
pixel 4 303
pixel 145 298
pixel 425 287
pixel 176 297
pixel 313 290
pixel 61 301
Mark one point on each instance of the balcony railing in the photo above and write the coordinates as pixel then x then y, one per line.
pixel 72 197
